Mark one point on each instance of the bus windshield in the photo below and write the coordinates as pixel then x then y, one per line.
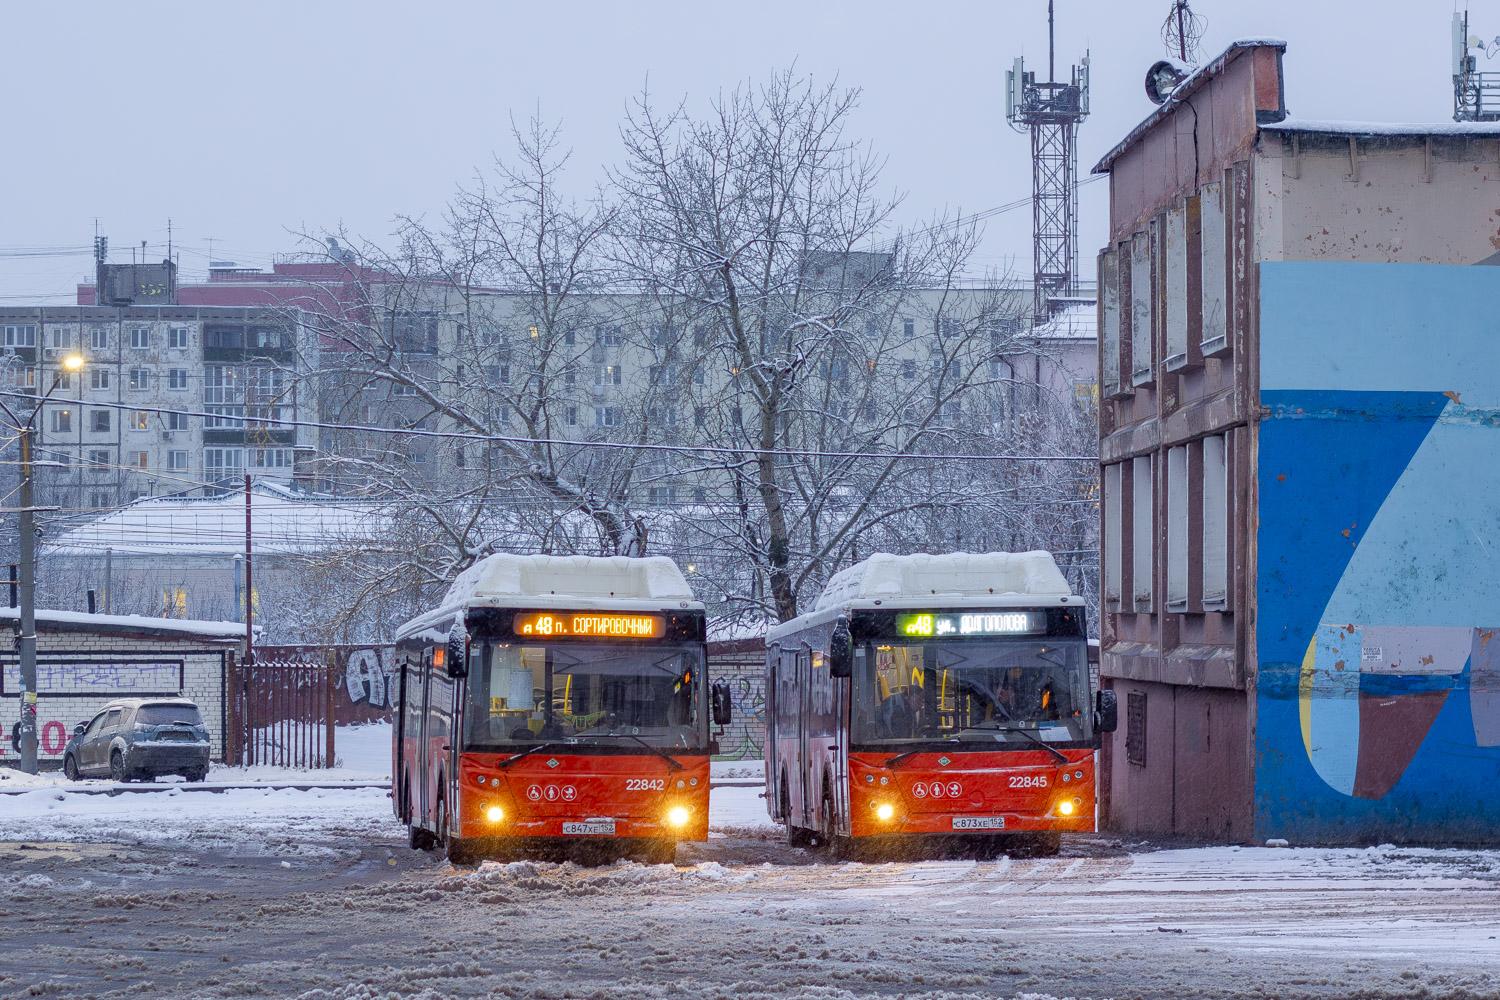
pixel 606 694
pixel 1007 690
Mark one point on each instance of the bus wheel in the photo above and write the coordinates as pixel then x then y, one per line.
pixel 829 838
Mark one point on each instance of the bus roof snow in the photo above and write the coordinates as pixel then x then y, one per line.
pixel 954 574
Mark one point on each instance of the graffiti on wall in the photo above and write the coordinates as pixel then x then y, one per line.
pixel 367 677
pixel 1378 700
pixel 364 677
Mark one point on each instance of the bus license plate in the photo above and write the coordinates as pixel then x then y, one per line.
pixel 593 827
pixel 979 822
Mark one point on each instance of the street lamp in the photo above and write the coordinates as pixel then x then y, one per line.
pixel 26 642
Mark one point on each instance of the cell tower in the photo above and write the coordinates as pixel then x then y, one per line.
pixel 1052 112
pixel 1476 94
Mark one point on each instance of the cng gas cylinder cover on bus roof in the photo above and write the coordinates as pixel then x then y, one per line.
pixel 955 573
pixel 587 577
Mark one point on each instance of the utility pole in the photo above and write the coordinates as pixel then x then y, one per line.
pixel 26 643
pixel 249 590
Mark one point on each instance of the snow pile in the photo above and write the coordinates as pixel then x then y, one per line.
pixel 268 822
pixel 596 577
pixel 954 574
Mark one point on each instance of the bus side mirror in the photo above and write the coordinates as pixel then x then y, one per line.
pixel 719 706
pixel 1106 712
pixel 841 651
pixel 456 655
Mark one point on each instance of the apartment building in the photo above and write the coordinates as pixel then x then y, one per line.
pixel 1297 450
pixel 170 398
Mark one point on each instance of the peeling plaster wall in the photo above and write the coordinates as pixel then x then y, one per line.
pixel 1313 206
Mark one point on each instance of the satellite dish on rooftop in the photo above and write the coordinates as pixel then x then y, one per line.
pixel 1164 76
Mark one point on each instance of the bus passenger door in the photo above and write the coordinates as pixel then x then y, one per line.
pixel 423 770
pixel 398 742
pixel 801 791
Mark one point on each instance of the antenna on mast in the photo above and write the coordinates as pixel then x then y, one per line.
pixel 1182 32
pixel 1051 112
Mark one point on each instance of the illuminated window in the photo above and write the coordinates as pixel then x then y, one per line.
pixel 138 420
pixel 138 378
pixel 138 459
pixel 174 602
pixel 62 421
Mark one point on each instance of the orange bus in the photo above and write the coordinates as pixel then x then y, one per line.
pixel 556 701
pixel 935 696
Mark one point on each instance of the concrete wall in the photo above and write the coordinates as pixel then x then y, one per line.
pixel 1378 592
pixel 741 663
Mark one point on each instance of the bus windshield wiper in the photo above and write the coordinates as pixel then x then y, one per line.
pixel 527 753
pixel 649 746
pixel 902 758
pixel 1061 757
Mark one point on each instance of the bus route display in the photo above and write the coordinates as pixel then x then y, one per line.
pixel 580 624
pixel 933 624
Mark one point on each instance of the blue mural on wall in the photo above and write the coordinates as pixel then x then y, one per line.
pixel 1378 542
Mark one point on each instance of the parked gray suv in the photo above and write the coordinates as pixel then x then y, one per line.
pixel 140 738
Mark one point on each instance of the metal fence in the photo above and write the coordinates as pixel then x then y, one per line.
pixel 281 713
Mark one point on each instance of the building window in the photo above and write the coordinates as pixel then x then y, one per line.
pixel 662 416
pixel 662 335
pixel 270 458
pixel 140 337
pixel 177 378
pixel 138 420
pixel 99 338
pixel 223 461
pixel 700 495
pixel 570 337
pixel 1135 728
pixel 872 329
pixel 177 337
pixel 270 338
pixel 570 416
pixel 1177 528
pixel 177 421
pixel 569 377
pixel 608 375
pixel 98 461
pixel 664 494
pixel 607 416
pixel 99 421
pixel 62 421
pixel 177 460
pixel 499 374
pixel 62 380
pixel 218 337
pixel 909 328
pixel 700 416
pixel 908 369
pixel 138 459
pixel 99 378
pixel 1215 523
pixel 138 378
pixel 413 332
pixel 1141 354
pixel 21 378
pixel 99 500
pixel 20 335
pixel 62 336
pixel 1142 535
pixel 174 602
pixel 609 336
pixel 402 389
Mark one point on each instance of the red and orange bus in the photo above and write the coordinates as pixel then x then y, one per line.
pixel 556 701
pixel 935 696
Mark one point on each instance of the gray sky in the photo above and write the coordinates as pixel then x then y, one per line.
pixel 245 122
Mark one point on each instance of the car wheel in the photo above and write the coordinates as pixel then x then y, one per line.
pixel 70 768
pixel 117 766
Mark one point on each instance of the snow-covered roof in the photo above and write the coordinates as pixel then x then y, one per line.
pixel 282 523
pixel 1305 125
pixel 1078 321
pixel 951 575
pixel 79 621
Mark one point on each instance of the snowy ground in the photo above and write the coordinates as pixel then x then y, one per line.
pixel 313 895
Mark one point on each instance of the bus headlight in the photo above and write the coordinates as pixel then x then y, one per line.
pixel 1065 808
pixel 885 811
pixel 677 816
pixel 494 814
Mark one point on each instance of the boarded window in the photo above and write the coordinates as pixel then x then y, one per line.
pixel 1135 728
pixel 1215 522
pixel 1109 297
pixel 1177 528
pixel 1215 298
pixel 1142 536
pixel 1113 542
pixel 1140 308
pixel 1175 298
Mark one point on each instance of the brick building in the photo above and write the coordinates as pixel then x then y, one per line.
pixel 85 661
